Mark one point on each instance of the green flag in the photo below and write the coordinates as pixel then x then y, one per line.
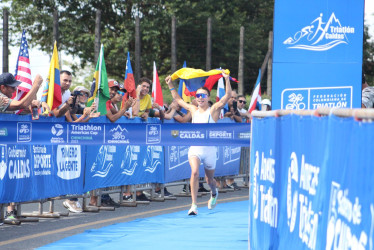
pixel 99 87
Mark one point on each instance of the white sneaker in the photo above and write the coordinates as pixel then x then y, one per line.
pixel 213 200
pixel 73 206
pixel 193 210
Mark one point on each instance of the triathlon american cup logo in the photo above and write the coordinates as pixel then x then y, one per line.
pixel 320 35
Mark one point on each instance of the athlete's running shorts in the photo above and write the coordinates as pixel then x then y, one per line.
pixel 206 154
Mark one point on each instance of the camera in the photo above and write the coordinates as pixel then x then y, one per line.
pixel 77 109
pixel 75 94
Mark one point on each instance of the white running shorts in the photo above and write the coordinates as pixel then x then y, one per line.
pixel 206 154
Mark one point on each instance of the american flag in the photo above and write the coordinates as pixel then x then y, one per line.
pixel 23 71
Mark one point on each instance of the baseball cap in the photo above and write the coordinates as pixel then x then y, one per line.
pixel 8 79
pixel 266 102
pixel 113 83
pixel 81 89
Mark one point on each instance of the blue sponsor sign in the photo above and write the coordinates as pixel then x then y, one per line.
pixel 317 48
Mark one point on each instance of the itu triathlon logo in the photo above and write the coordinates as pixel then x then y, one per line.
pixel 295 102
pixel 23 132
pixel 319 35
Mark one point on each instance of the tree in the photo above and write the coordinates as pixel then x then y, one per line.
pixel 77 20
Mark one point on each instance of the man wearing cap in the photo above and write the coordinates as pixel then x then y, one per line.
pixel 8 85
pixel 116 93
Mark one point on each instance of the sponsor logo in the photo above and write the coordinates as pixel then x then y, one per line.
pixel 313 98
pixel 84 132
pixel 42 163
pixel 244 135
pixel 23 132
pixel 57 130
pixel 191 135
pixel 18 162
pixel 320 35
pixel 3 160
pixel 344 220
pixel 104 161
pixel 152 161
pixel 153 133
pixel 130 161
pixel 69 162
pixel 175 133
pixel 118 135
pixel 220 134
pixel 3 132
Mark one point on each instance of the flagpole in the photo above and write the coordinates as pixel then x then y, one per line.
pixel 99 80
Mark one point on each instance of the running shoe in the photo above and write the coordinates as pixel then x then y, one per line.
pixel 142 197
pixel 166 193
pixel 128 198
pixel 107 201
pixel 73 206
pixel 193 210
pixel 213 200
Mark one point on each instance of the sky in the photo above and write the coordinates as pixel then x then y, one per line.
pixel 40 61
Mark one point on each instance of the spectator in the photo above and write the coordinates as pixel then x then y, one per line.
pixel 141 109
pixel 265 105
pixel 241 107
pixel 67 99
pixel 117 91
pixel 81 95
pixel 143 99
pixel 8 85
pixel 367 94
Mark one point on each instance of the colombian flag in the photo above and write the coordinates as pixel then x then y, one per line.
pixel 52 90
pixel 197 78
pixel 99 87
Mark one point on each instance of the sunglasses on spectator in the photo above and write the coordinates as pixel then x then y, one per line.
pixel 84 94
pixel 241 101
pixel 201 95
pixel 121 93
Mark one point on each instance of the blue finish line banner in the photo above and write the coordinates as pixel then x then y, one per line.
pixel 12 132
pixel 311 183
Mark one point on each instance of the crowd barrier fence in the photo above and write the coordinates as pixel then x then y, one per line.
pixel 61 161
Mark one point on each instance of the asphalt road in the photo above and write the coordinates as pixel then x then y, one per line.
pixel 31 235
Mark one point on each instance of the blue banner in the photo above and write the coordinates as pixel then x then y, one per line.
pixel 110 165
pixel 32 172
pixel 311 181
pixel 317 58
pixel 124 133
pixel 178 168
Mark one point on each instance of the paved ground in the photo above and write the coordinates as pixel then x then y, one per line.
pixel 33 235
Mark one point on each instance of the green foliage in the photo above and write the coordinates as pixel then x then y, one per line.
pixel 77 32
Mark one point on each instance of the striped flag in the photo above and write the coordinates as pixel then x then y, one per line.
pixel 52 92
pixel 23 71
pixel 129 82
pixel 256 95
pixel 156 88
pixel 220 93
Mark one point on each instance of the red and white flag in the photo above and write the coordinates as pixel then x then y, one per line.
pixel 256 95
pixel 23 71
pixel 156 88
